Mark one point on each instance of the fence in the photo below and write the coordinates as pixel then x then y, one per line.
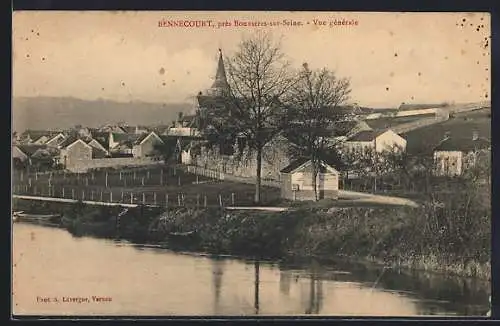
pixel 86 165
pixel 229 177
pixel 151 198
pixel 132 177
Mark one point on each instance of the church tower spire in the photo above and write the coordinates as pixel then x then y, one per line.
pixel 220 84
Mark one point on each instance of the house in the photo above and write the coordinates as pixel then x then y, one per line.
pixel 39 137
pixel 74 150
pixel 375 140
pixel 121 142
pixel 453 155
pixel 35 154
pixel 144 146
pixel 297 183
pixel 100 150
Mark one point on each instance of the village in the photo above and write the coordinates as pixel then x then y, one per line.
pixel 458 133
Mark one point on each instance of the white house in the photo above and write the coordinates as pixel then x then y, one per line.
pixel 376 140
pixel 453 155
pixel 297 181
pixel 145 145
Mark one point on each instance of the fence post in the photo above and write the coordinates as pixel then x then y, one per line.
pixel 111 196
pixel 122 196
pixel 183 199
pixel 142 181
pixel 83 195
pixel 197 179
pixel 143 198
pixel 92 195
pixel 205 201
pixel 179 181
pixel 63 193
pixel 147 174
pixel 120 175
pixel 161 177
pixel 220 200
pixel 178 199
pixel 86 181
pixel 29 182
pixel 166 200
pixel 232 198
pixel 22 176
pixel 131 198
pixel 197 200
pixel 72 193
pixel 175 170
pixel 101 196
pixel 134 174
pixel 154 198
pixel 106 179
pixel 36 175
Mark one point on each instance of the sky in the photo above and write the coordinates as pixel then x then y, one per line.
pixel 390 58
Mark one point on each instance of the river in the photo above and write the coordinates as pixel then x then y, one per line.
pixel 55 273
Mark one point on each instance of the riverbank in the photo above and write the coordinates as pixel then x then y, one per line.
pixel 422 238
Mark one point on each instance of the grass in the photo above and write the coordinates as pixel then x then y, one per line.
pixel 395 121
pixel 424 139
pixel 192 189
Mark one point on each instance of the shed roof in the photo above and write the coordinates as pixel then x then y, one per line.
pixel 296 164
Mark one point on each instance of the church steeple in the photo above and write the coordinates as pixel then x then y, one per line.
pixel 220 84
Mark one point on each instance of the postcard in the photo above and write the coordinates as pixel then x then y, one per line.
pixel 176 163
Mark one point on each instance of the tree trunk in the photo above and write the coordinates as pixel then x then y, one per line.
pixel 314 181
pixel 258 177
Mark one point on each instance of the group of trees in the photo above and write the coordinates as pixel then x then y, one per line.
pixel 267 96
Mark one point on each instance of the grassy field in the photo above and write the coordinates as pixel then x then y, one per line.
pixel 423 140
pixel 383 123
pixel 149 186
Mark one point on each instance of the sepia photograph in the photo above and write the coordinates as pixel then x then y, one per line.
pixel 251 163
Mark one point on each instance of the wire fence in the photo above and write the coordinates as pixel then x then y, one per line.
pixel 151 198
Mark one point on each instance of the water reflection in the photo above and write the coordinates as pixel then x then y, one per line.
pixel 217 275
pixel 155 281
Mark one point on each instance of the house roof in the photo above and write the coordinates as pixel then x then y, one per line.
pixel 98 153
pixel 37 134
pixel 144 136
pixel 128 129
pixel 366 135
pixel 30 149
pixel 68 141
pixel 463 144
pixel 345 127
pixel 125 138
pixel 295 164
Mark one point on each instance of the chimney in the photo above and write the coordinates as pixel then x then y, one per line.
pixel 475 135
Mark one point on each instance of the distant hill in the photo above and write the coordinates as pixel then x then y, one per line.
pixel 64 112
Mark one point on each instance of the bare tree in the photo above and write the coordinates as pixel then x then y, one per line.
pixel 252 108
pixel 315 110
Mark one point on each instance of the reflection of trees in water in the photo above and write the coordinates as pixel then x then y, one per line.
pixel 257 281
pixel 462 295
pixel 315 291
pixel 217 274
pixel 285 282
